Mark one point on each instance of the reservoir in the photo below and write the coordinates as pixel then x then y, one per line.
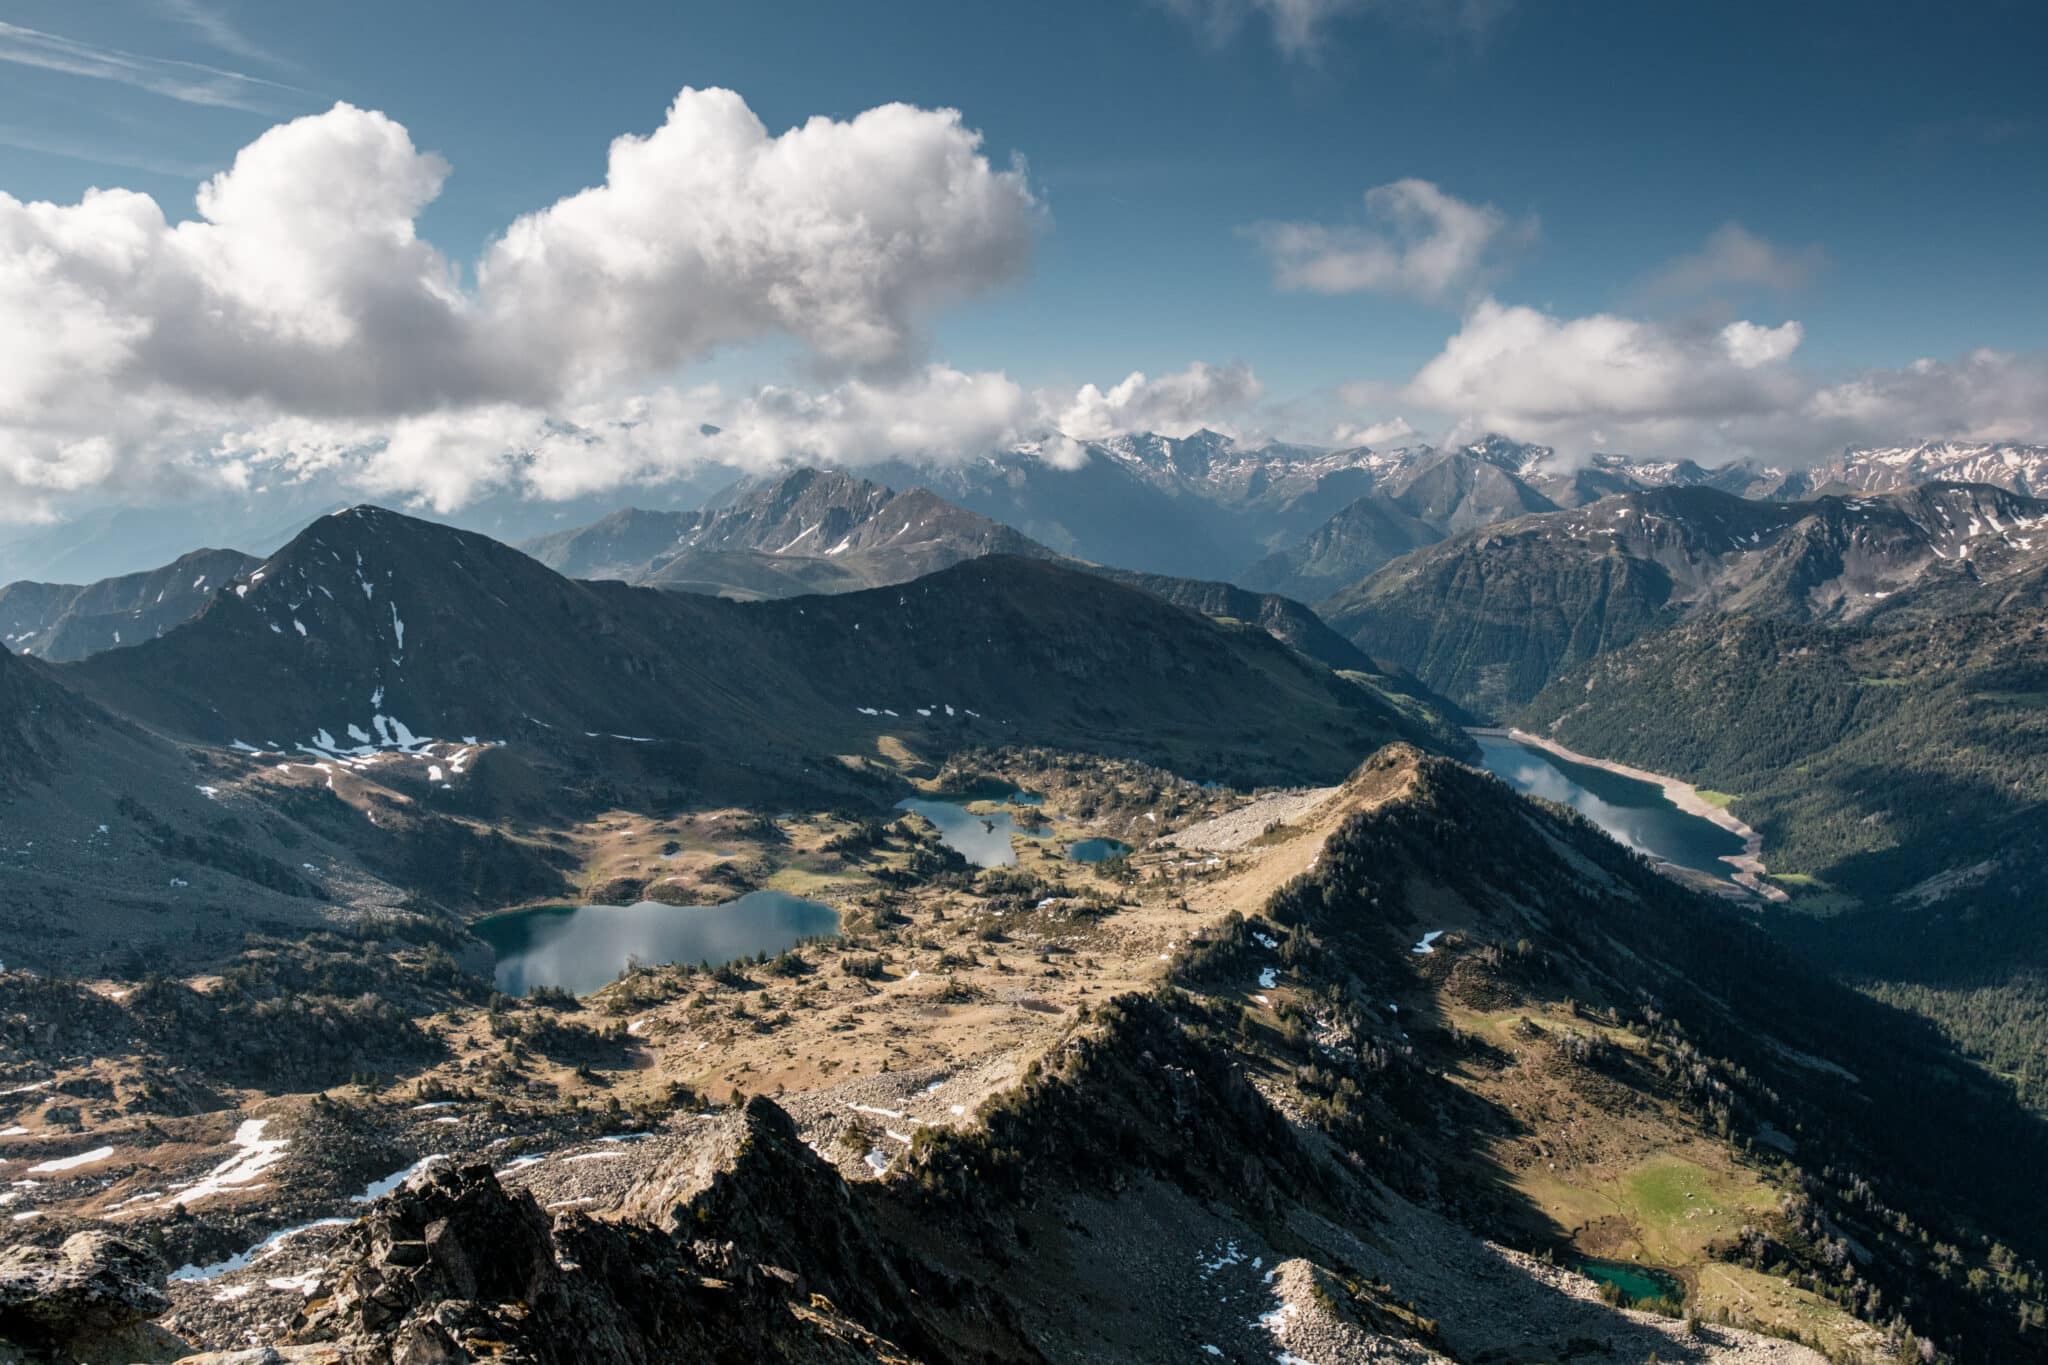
pixel 1636 814
pixel 583 947
pixel 983 840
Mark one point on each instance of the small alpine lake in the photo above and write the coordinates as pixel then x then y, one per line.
pixel 1635 1283
pixel 581 948
pixel 1096 850
pixel 983 840
pixel 1637 814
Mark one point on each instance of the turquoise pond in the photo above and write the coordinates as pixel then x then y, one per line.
pixel 1636 1282
pixel 581 948
pixel 1095 850
pixel 1634 813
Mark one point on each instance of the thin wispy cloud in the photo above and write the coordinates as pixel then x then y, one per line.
pixel 218 31
pixel 99 154
pixel 1301 29
pixel 1419 240
pixel 1735 258
pixel 186 82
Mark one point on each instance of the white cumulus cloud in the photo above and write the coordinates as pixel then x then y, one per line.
pixel 1610 382
pixel 1750 345
pixel 303 297
pixel 1392 431
pixel 710 230
pixel 1602 379
pixel 1172 404
pixel 1986 395
pixel 1419 241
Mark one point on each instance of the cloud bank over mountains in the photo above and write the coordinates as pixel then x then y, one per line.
pixel 1712 393
pixel 300 327
pixel 302 311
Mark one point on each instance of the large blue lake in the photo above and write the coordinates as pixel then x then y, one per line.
pixel 1635 813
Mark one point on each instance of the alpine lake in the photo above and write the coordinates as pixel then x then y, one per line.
pixel 1636 814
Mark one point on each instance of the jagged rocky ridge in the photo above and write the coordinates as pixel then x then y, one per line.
pixel 1075 1218
pixel 2011 465
pixel 807 531
pixel 1418 497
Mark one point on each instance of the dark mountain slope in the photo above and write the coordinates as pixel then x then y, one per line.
pixel 1436 719
pixel 813 532
pixel 368 614
pixel 1284 618
pixel 36 715
pixel 1872 757
pixel 119 847
pixel 61 621
pixel 1492 616
pixel 1743 1033
pixel 372 628
pixel 1054 654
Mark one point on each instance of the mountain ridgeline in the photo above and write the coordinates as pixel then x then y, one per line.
pixel 1493 616
pixel 808 531
pixel 372 625
pixel 1419 497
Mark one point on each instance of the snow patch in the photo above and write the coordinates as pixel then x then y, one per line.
pixel 254 1155
pixel 71 1163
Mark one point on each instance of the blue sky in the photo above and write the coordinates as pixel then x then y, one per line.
pixel 1890 160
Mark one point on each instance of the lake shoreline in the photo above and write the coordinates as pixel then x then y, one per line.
pixel 1748 864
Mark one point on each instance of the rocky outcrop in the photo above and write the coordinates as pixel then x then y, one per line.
pixel 452 1267
pixel 89 1299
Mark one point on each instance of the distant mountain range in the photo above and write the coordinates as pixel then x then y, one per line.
pixel 1491 616
pixel 118 540
pixel 1417 497
pixel 2003 464
pixel 61 621
pixel 1203 506
pixel 1605 475
pixel 807 531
